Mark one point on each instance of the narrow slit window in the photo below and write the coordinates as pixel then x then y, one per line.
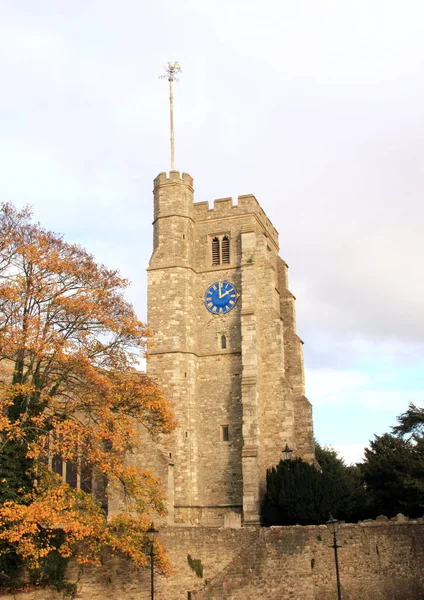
pixel 225 250
pixel 225 433
pixel 223 341
pixel 215 252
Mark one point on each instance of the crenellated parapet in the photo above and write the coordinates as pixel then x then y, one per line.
pixel 173 195
pixel 173 177
pixel 226 207
pixel 176 195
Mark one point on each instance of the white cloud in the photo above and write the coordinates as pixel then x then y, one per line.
pixel 376 391
pixel 351 453
pixel 23 43
pixel 326 386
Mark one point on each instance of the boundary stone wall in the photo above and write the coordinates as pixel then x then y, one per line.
pixel 378 561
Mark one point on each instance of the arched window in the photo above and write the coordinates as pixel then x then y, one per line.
pixel 216 254
pixel 225 250
pixel 223 341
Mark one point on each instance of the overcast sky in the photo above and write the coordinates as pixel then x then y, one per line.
pixel 316 107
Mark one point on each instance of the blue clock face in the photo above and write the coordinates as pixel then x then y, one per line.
pixel 221 297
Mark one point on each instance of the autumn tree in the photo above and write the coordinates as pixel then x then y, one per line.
pixel 69 392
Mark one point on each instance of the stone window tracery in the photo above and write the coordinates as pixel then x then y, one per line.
pixel 81 478
pixel 77 474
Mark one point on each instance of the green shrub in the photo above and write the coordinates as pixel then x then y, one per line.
pixel 195 565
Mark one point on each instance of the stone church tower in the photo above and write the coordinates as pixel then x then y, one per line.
pixel 225 351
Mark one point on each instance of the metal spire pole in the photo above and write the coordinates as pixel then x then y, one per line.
pixel 171 71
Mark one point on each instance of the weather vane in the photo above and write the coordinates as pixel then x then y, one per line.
pixel 171 72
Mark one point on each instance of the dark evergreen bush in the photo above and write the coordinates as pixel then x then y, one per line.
pixel 302 494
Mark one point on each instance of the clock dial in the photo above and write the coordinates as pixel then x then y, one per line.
pixel 220 297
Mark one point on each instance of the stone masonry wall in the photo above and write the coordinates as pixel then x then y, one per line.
pixel 302 431
pixel 253 387
pixel 378 561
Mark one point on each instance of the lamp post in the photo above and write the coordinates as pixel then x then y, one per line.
pixel 151 536
pixel 333 526
pixel 287 452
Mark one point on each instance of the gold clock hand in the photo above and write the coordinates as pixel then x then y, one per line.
pixel 225 293
pixel 219 289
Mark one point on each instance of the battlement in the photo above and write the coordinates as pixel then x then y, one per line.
pixel 224 207
pixel 174 177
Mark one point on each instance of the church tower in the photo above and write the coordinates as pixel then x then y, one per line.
pixel 225 351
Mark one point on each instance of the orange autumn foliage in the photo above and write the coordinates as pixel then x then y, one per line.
pixel 69 343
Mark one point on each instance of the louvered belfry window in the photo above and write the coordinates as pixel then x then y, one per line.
pixel 225 250
pixel 221 250
pixel 216 254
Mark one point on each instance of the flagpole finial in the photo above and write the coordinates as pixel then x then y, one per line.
pixel 171 71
